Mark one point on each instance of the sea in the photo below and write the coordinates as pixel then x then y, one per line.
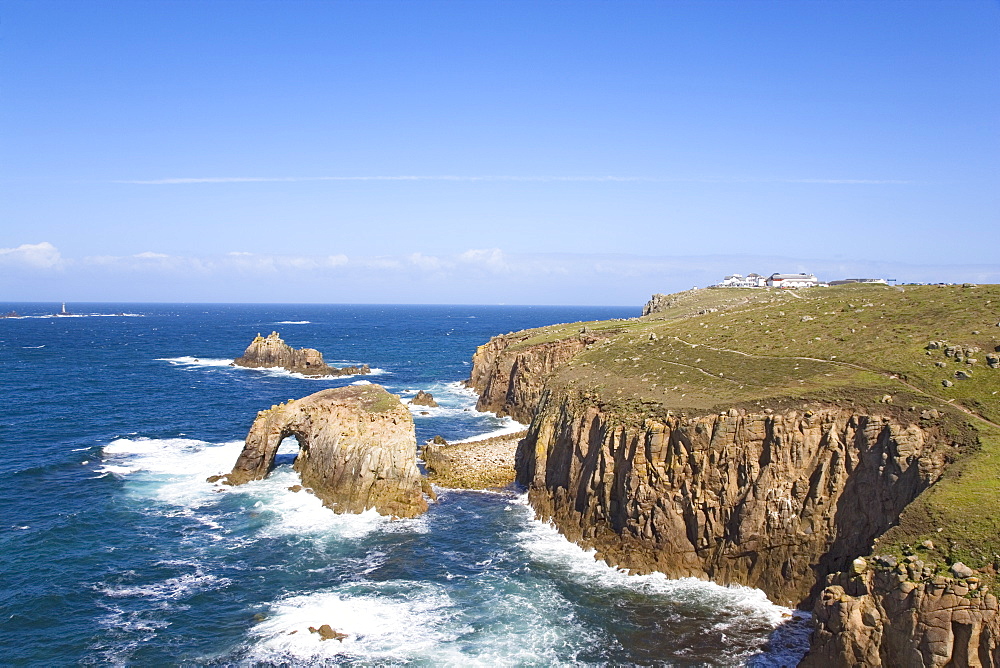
pixel 115 550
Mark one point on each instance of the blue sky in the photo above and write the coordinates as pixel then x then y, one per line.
pixel 491 152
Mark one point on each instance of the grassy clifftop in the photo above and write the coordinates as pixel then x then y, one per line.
pixel 924 350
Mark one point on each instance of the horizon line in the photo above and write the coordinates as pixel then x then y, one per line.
pixel 502 178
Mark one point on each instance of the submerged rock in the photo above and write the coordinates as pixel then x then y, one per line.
pixel 271 351
pixel 357 450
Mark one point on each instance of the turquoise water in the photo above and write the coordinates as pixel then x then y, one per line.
pixel 117 551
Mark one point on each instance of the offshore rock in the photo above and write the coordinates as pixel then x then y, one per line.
pixel 357 450
pixel 271 351
pixel 882 618
pixel 772 500
pixel 424 399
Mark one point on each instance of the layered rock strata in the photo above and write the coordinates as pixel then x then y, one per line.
pixel 357 450
pixel 272 352
pixel 773 501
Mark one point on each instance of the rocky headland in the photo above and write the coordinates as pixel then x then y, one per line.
pixel 272 352
pixel 357 450
pixel 838 448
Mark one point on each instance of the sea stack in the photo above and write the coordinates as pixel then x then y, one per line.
pixel 357 450
pixel 424 399
pixel 271 351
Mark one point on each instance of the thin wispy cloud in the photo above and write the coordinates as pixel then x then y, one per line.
pixel 524 179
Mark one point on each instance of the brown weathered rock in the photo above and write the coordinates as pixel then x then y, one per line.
pixel 271 351
pixel 424 399
pixel 881 619
pixel 772 501
pixel 483 464
pixel 510 378
pixel 357 450
pixel 327 632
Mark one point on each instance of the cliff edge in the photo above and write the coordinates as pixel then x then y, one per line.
pixel 770 439
pixel 357 450
pixel 272 352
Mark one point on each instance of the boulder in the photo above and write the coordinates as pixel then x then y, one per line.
pixel 327 632
pixel 424 399
pixel 271 351
pixel 357 450
pixel 960 570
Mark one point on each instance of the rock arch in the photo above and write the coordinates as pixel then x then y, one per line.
pixel 357 450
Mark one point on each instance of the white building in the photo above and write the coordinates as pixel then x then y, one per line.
pixel 739 281
pixel 792 281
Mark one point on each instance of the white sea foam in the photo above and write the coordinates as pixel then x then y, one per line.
pixel 279 371
pixel 170 588
pixel 508 426
pixel 301 513
pixel 173 471
pixel 400 621
pixel 188 360
pixel 294 322
pixel 749 607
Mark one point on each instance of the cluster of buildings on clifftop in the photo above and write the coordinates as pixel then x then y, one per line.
pixel 786 281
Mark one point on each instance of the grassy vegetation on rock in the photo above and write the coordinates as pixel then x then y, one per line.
pixel 854 345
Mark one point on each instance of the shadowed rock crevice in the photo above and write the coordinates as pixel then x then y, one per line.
pixel 357 450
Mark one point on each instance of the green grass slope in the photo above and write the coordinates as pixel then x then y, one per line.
pixel 852 345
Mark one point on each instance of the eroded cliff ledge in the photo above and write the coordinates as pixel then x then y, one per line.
pixel 357 450
pixel 272 352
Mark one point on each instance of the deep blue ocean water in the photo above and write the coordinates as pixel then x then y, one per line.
pixel 115 550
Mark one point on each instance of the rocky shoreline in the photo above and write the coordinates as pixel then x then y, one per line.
pixel 689 444
pixel 482 464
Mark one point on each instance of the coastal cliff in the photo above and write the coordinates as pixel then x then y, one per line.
pixel 510 375
pixel 768 500
pixel 773 440
pixel 272 352
pixel 357 450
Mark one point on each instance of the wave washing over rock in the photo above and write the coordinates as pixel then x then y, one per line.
pixel 358 450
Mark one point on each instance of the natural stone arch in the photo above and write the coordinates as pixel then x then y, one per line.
pixel 357 449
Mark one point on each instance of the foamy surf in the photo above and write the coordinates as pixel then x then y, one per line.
pixel 191 361
pixel 294 322
pixel 747 610
pixel 188 360
pixel 393 622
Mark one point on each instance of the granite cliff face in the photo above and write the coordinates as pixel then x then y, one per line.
pixel 357 450
pixel 510 378
pixel 814 446
pixel 271 351
pixel 880 614
pixel 769 500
